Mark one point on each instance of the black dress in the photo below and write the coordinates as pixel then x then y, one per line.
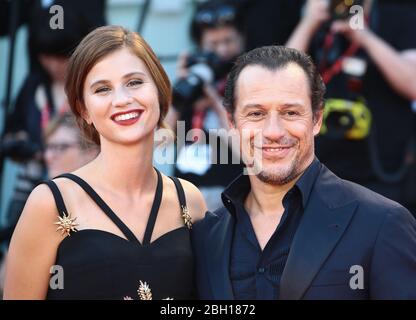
pixel 98 264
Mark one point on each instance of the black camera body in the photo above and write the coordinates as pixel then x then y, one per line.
pixel 204 67
pixel 19 149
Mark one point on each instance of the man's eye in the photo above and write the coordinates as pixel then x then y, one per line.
pixel 255 114
pixel 292 113
pixel 134 83
pixel 228 41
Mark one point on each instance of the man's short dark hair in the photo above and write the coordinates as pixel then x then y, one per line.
pixel 275 58
pixel 215 14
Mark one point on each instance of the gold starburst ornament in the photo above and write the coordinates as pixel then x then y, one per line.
pixel 186 217
pixel 66 224
pixel 144 291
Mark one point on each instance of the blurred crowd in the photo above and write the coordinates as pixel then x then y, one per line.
pixel 368 134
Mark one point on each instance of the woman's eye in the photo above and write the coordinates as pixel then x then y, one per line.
pixel 102 90
pixel 134 83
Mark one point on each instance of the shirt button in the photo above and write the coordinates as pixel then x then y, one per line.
pixel 261 270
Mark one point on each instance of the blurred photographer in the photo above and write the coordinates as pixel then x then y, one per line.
pixel 197 97
pixel 65 150
pixel 42 97
pixel 366 52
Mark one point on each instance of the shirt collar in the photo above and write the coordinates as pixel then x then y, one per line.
pixel 238 189
pixel 307 180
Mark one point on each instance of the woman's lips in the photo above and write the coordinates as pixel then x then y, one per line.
pixel 127 118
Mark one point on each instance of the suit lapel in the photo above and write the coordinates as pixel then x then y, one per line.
pixel 318 233
pixel 218 248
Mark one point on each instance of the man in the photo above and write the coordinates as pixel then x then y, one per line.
pixel 291 229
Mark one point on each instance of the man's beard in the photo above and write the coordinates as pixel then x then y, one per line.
pixel 281 176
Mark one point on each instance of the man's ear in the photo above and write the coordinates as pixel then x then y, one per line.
pixel 317 121
pixel 231 122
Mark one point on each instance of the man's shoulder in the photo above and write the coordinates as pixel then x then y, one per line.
pixel 213 221
pixel 210 218
pixel 337 192
pixel 220 212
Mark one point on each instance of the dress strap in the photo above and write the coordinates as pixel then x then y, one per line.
pixel 154 211
pixel 66 224
pixel 180 191
pixel 182 201
pixel 103 206
pixel 60 204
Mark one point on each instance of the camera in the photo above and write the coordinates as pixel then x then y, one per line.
pixel 19 149
pixel 345 119
pixel 340 9
pixel 204 67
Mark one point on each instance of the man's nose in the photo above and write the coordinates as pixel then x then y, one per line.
pixel 222 50
pixel 273 128
pixel 49 155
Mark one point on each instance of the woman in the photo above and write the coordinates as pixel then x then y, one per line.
pixel 123 228
pixel 65 148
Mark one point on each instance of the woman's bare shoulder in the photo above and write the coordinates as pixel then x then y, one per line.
pixel 194 200
pixel 33 247
pixel 41 203
pixel 39 214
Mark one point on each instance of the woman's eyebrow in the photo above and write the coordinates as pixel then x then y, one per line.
pixel 99 82
pixel 135 73
pixel 128 75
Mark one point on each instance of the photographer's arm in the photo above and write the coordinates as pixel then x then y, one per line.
pixel 316 12
pixel 398 68
pixel 216 102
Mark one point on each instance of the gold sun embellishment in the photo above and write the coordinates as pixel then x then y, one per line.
pixel 144 292
pixel 66 224
pixel 186 217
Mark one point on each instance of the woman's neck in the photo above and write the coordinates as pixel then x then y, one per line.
pixel 127 169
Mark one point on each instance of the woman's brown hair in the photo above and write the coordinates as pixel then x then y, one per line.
pixel 95 46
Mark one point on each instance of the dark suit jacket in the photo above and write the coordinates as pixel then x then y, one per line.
pixel 343 225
